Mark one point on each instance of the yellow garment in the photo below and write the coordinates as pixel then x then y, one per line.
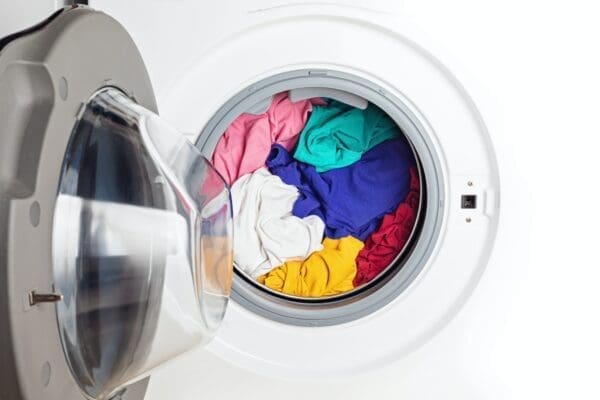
pixel 326 272
pixel 215 266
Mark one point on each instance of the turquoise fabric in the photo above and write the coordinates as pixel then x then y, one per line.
pixel 337 135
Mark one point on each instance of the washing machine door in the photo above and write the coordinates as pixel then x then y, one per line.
pixel 115 232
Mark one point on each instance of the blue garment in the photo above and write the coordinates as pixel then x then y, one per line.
pixel 351 200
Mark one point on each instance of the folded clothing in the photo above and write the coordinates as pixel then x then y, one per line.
pixel 351 200
pixel 267 233
pixel 247 141
pixel 324 273
pixel 384 244
pixel 337 135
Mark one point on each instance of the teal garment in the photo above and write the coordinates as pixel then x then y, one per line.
pixel 337 135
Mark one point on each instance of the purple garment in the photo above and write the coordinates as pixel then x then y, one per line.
pixel 351 200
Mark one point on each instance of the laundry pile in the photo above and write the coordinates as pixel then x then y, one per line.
pixel 324 195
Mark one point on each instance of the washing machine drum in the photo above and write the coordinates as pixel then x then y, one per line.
pixel 116 249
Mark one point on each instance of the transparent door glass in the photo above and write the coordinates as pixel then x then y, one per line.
pixel 142 245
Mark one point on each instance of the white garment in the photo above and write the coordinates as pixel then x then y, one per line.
pixel 266 234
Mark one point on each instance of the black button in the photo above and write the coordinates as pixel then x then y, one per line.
pixel 468 201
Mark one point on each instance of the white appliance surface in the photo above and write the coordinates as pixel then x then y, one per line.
pixel 531 328
pixel 16 17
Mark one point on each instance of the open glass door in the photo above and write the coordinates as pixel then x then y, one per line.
pixel 141 245
pixel 128 228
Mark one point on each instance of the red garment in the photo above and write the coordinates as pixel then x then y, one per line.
pixel 385 243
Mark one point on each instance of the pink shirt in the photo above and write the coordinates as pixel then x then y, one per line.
pixel 245 145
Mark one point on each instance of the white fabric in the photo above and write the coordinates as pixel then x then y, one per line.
pixel 266 234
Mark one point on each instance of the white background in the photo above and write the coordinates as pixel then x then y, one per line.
pixel 539 61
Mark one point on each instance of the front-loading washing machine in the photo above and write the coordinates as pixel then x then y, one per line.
pixel 117 231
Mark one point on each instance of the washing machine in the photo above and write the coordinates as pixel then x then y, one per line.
pixel 117 231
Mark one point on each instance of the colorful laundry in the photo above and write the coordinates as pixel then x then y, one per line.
pixel 267 234
pixel 386 243
pixel 246 143
pixel 337 135
pixel 351 200
pixel 324 273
